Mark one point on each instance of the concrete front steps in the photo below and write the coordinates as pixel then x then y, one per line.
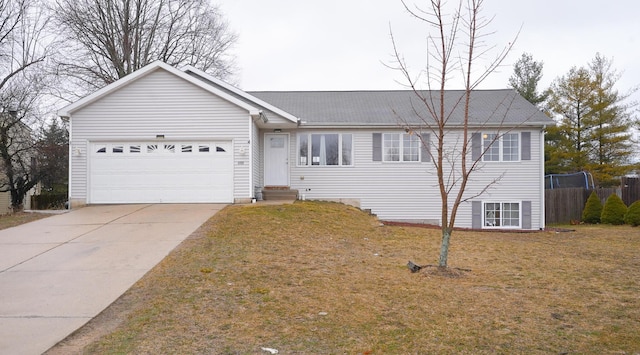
pixel 279 194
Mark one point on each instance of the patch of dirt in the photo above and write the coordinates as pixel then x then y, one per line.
pixel 448 272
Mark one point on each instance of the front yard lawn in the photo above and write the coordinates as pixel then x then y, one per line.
pixel 324 278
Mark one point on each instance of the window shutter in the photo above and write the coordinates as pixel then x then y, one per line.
pixel 377 147
pixel 476 146
pixel 526 146
pixel 425 147
pixel 476 214
pixel 526 214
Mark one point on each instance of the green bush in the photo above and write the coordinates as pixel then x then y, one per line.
pixel 613 211
pixel 47 201
pixel 592 209
pixel 633 214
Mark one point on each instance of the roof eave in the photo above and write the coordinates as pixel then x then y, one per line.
pixel 68 110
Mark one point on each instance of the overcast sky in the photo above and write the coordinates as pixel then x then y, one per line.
pixel 342 44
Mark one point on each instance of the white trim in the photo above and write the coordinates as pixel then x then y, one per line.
pixel 501 202
pixel 247 96
pixel 252 192
pixel 541 188
pixel 68 110
pixel 69 162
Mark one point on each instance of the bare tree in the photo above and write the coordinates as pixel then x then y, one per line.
pixel 108 39
pixel 455 43
pixel 23 81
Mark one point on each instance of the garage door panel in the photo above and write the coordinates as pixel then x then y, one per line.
pixel 164 174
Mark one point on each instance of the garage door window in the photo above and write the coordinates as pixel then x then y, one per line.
pixel 160 148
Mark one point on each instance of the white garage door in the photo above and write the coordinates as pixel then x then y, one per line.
pixel 161 172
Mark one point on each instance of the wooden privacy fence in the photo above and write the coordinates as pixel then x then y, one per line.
pixel 563 206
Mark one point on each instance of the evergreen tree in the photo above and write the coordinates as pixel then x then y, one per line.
pixel 526 76
pixel 592 209
pixel 611 134
pixel 570 99
pixel 632 217
pixel 613 211
pixel 53 156
pixel 593 124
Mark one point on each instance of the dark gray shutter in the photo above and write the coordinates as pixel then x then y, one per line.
pixel 526 214
pixel 377 147
pixel 476 214
pixel 476 146
pixel 426 147
pixel 526 145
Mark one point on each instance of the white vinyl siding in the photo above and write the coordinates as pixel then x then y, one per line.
pixel 160 104
pixel 408 192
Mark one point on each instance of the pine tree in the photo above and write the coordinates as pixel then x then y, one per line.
pixel 613 211
pixel 592 209
pixel 526 76
pixel 611 134
pixel 593 130
pixel 632 217
pixel 570 100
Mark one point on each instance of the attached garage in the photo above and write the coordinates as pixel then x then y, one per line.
pixel 161 172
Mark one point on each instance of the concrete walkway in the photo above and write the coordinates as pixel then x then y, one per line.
pixel 59 272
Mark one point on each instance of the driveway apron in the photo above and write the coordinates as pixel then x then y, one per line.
pixel 59 272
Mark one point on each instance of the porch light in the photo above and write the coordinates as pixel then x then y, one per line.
pixel 277 130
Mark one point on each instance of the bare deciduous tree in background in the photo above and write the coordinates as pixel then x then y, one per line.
pixel 108 39
pixel 23 81
pixel 455 43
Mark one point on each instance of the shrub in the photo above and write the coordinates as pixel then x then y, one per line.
pixel 613 211
pixel 592 209
pixel 633 214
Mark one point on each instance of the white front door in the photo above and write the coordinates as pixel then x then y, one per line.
pixel 276 159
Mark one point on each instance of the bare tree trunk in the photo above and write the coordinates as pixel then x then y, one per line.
pixel 444 247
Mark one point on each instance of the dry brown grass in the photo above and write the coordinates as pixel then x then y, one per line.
pixel 15 219
pixel 323 278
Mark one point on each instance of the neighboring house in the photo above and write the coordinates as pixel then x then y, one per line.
pixel 162 135
pixel 20 139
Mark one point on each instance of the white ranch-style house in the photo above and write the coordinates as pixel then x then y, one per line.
pixel 164 135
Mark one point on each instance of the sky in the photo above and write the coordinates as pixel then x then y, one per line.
pixel 345 44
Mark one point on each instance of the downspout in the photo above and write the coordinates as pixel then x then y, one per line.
pixel 69 158
pixel 543 205
pixel 252 192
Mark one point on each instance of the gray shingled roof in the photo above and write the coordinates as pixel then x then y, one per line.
pixel 335 108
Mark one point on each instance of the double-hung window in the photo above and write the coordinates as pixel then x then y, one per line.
pixel 502 214
pixel 325 149
pixel 400 147
pixel 501 148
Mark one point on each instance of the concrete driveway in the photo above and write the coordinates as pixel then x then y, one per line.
pixel 59 272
